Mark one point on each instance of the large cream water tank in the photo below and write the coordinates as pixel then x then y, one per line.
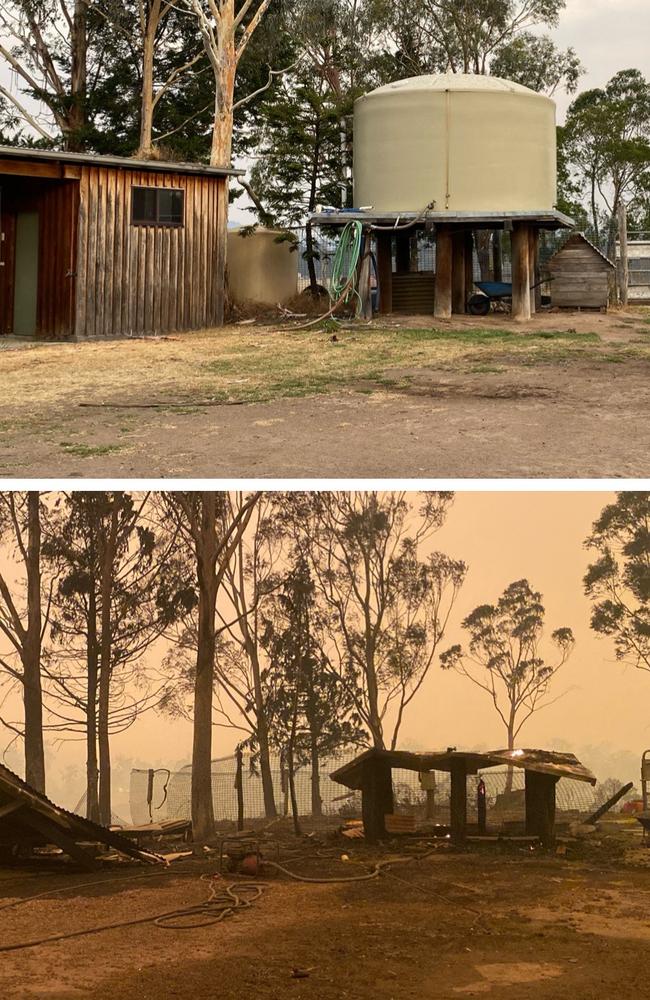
pixel 468 143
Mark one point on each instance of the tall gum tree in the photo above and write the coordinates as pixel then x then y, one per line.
pixel 22 623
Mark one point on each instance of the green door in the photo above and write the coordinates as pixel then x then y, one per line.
pixel 26 286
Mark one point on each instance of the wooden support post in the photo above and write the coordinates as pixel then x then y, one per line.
pixel 385 271
pixel 469 265
pixel 521 272
pixel 239 785
pixel 540 806
pixel 403 251
pixel 536 288
pixel 458 273
pixel 458 802
pixel 376 798
pixel 444 268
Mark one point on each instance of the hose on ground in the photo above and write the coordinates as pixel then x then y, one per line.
pixel 222 902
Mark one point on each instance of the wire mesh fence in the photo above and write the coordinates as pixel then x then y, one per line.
pixel 161 794
pixel 489 257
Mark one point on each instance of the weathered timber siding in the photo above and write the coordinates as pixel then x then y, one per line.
pixel 581 276
pixel 7 272
pixel 58 205
pixel 134 280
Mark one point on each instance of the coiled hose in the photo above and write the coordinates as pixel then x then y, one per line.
pixel 346 259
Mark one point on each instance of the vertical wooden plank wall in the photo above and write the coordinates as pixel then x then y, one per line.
pixel 134 280
pixel 58 211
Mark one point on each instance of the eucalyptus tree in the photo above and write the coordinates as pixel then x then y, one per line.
pixel 311 709
pixel 606 143
pixel 504 655
pixel 209 530
pixel 24 612
pixel 105 617
pixel 388 597
pixel 618 581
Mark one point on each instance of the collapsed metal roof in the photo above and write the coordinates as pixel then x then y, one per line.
pixel 29 819
pixel 561 765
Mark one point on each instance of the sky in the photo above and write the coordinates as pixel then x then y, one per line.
pixel 602 714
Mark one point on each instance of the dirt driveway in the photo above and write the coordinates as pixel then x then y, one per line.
pixel 565 396
pixel 467 925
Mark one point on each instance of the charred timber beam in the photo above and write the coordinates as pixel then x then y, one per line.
pixel 606 806
pixel 376 798
pixel 540 806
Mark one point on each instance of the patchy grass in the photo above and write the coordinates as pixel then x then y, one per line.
pixel 87 450
pixel 256 364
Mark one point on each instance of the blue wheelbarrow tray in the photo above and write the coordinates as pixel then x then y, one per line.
pixel 495 289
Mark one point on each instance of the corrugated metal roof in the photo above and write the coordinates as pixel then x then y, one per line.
pixel 15 789
pixel 562 765
pixel 123 162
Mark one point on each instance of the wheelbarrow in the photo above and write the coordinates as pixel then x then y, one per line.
pixel 493 291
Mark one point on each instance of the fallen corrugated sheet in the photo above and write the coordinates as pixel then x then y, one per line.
pixel 28 819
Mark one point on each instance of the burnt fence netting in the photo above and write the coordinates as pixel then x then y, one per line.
pixel 162 794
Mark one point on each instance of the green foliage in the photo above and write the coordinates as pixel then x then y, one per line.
pixel 503 658
pixel 618 582
pixel 606 145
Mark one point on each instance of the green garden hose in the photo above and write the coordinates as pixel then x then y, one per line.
pixel 346 259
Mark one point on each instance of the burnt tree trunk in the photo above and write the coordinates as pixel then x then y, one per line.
pixel 92 769
pixel 206 556
pixel 106 666
pixel 31 652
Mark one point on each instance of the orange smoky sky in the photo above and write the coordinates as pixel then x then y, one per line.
pixel 503 537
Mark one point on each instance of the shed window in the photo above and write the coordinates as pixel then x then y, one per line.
pixel 152 206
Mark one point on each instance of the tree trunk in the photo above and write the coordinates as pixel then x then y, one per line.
pixel 146 147
pixel 511 746
pixel 623 269
pixel 316 801
pixel 92 771
pixel 292 791
pixel 206 550
pixel 262 729
pixel 106 661
pixel 74 136
pixel 311 263
pixel 31 655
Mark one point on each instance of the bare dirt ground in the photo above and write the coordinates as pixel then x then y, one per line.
pixel 482 924
pixel 567 395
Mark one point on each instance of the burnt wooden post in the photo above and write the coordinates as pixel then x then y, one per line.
pixel 385 271
pixel 376 798
pixel 458 772
pixel 239 785
pixel 403 251
pixel 458 273
pixel 444 269
pixel 521 272
pixel 540 806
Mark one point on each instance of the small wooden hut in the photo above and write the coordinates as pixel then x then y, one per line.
pixel 581 275
pixel 371 773
pixel 105 246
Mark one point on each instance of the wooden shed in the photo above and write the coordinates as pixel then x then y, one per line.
pixel 371 772
pixel 103 246
pixel 581 275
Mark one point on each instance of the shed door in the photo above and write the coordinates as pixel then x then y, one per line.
pixel 26 287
